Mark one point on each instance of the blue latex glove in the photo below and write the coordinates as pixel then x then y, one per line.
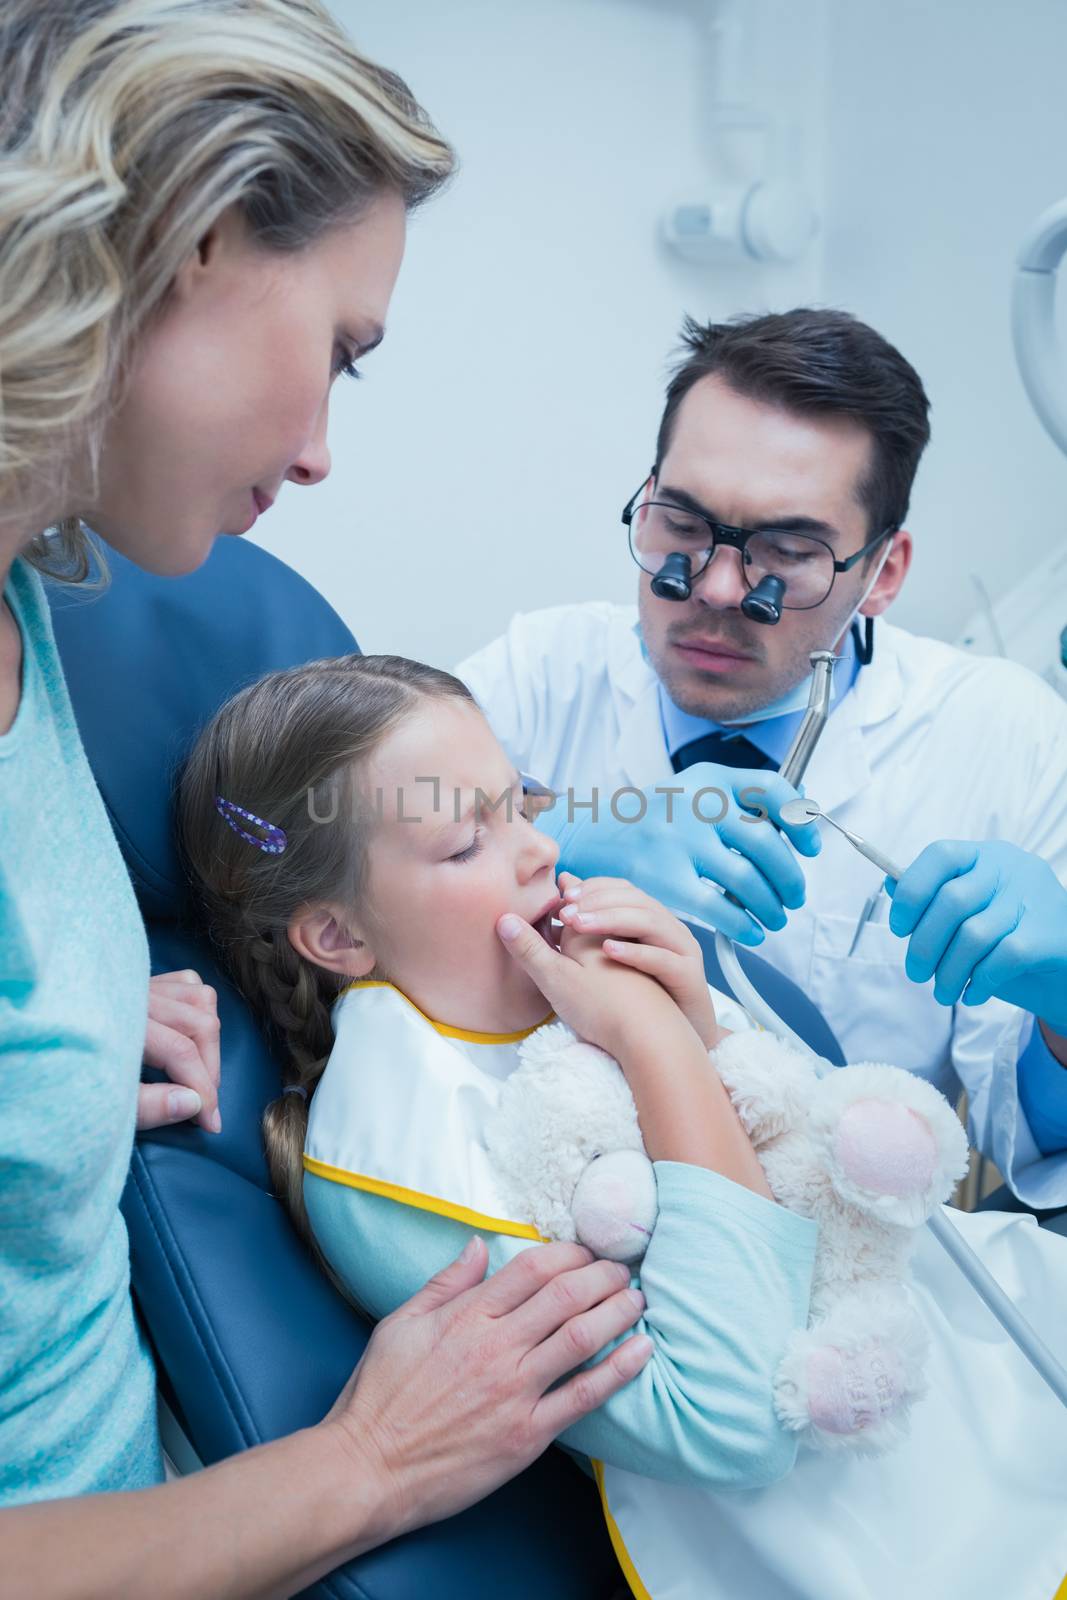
pixel 671 851
pixel 987 918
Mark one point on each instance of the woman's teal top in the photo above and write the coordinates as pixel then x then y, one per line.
pixel 77 1391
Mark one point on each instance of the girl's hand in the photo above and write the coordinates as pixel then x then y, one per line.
pixel 683 1109
pixel 182 1041
pixel 645 936
pixel 603 1001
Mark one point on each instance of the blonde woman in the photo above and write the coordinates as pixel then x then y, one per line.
pixel 202 208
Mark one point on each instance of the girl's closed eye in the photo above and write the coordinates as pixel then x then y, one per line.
pixel 344 366
pixel 472 849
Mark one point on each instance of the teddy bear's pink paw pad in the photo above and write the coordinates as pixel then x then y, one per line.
pixel 886 1148
pixel 847 1394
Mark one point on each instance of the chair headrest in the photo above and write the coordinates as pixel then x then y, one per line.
pixel 149 660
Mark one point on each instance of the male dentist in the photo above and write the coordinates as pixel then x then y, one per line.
pixel 771 525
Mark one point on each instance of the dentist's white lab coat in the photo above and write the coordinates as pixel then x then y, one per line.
pixel 930 743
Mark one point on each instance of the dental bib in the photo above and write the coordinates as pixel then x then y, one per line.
pixel 403 1105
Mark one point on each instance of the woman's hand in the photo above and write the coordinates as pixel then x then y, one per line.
pixel 183 1041
pixel 641 933
pixel 455 1393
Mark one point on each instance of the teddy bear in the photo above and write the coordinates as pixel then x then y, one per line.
pixel 867 1151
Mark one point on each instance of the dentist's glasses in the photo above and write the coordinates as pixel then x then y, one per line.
pixel 806 565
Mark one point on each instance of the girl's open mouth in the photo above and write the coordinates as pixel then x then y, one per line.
pixel 547 927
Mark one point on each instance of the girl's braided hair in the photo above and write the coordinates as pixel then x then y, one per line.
pixel 289 749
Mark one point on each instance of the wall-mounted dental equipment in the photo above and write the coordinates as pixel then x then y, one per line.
pixel 754 209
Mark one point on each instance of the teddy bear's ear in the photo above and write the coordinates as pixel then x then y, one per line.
pixel 893 1146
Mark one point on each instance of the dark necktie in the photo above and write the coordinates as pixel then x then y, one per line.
pixel 729 750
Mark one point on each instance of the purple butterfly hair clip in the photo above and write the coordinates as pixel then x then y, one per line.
pixel 272 841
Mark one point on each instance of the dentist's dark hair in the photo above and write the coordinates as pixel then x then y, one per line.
pixel 291 749
pixel 820 364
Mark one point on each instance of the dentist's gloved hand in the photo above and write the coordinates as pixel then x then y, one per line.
pixel 701 830
pixel 989 918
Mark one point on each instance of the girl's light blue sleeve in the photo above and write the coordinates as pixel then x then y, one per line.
pixel 726 1278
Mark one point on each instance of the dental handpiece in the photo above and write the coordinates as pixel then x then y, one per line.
pixel 801 750
pixel 800 811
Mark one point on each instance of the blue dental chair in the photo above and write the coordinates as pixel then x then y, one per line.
pixel 251 1341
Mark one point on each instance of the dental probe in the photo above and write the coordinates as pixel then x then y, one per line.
pixel 796 812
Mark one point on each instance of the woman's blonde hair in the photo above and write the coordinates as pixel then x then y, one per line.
pixel 127 127
pixel 289 750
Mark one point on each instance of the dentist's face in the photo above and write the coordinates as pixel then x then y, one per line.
pixel 750 464
pixel 230 387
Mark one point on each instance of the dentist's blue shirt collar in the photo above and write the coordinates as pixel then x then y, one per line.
pixel 775 735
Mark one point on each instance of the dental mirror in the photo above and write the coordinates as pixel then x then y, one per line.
pixel 799 811
pixel 796 812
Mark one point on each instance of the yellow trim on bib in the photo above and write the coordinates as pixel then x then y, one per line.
pixel 622 1555
pixel 1061 1592
pixel 445 1029
pixel 424 1202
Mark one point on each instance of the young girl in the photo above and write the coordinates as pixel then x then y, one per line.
pixel 358 837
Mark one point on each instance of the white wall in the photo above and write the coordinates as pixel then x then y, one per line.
pixel 481 465
pixel 947 135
